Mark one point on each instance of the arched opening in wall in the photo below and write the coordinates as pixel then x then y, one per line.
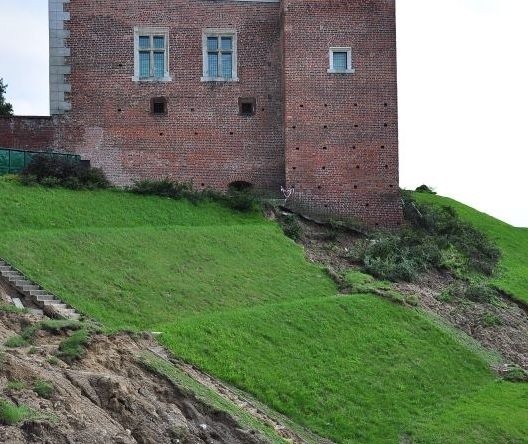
pixel 240 185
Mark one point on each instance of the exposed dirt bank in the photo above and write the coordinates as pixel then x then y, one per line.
pixel 106 397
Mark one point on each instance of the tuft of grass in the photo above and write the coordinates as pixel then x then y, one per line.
pixel 11 414
pixel 43 388
pixel 10 308
pixel 490 320
pixel 16 385
pixel 56 326
pixel 16 341
pixel 73 348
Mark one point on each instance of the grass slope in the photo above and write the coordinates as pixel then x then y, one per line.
pixel 513 242
pixel 237 298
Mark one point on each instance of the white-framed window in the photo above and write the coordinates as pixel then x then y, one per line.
pixel 341 60
pixel 219 47
pixel 151 54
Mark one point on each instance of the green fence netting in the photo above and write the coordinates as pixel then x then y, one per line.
pixel 14 161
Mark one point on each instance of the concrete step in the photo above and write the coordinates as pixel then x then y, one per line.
pixel 57 305
pixel 5 268
pixel 68 311
pixel 36 311
pixel 26 287
pixel 18 303
pixel 74 316
pixel 53 302
pixel 9 273
pixel 45 297
pixel 36 292
pixel 14 277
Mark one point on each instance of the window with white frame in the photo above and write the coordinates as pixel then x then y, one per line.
pixel 151 54
pixel 219 55
pixel 341 61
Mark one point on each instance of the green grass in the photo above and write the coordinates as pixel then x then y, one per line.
pixel 16 385
pixel 15 342
pixel 11 414
pixel 496 414
pixel 513 242
pixel 234 296
pixel 43 388
pixel 73 348
pixel 325 361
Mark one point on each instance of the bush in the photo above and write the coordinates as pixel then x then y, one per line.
pixel 53 171
pixel 291 227
pixel 243 200
pixel 163 188
pixel 474 291
pixel 425 189
pixel 72 348
pixel 436 238
pixel 449 232
pixel 391 268
pixel 43 388
pixel 453 260
pixel 481 292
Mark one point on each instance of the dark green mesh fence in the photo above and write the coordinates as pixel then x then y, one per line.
pixel 14 161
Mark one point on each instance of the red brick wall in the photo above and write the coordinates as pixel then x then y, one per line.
pixel 341 130
pixel 202 139
pixel 27 133
pixel 332 136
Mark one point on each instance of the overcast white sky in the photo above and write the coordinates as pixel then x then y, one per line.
pixel 463 94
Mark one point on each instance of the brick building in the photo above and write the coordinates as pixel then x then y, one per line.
pixel 293 93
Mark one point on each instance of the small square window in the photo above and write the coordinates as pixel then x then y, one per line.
pixel 247 106
pixel 158 105
pixel 340 61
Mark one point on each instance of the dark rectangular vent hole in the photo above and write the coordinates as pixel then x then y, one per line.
pixel 246 106
pixel 158 105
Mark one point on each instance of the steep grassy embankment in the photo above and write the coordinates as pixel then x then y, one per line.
pixel 234 296
pixel 513 242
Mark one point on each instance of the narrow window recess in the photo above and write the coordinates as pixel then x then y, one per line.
pixel 219 52
pixel 247 106
pixel 158 106
pixel 151 54
pixel 340 60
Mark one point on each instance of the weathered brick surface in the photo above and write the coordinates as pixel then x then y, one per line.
pixel 341 130
pixel 203 138
pixel 332 136
pixel 27 133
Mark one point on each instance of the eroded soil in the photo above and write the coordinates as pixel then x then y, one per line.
pixel 106 397
pixel 509 334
